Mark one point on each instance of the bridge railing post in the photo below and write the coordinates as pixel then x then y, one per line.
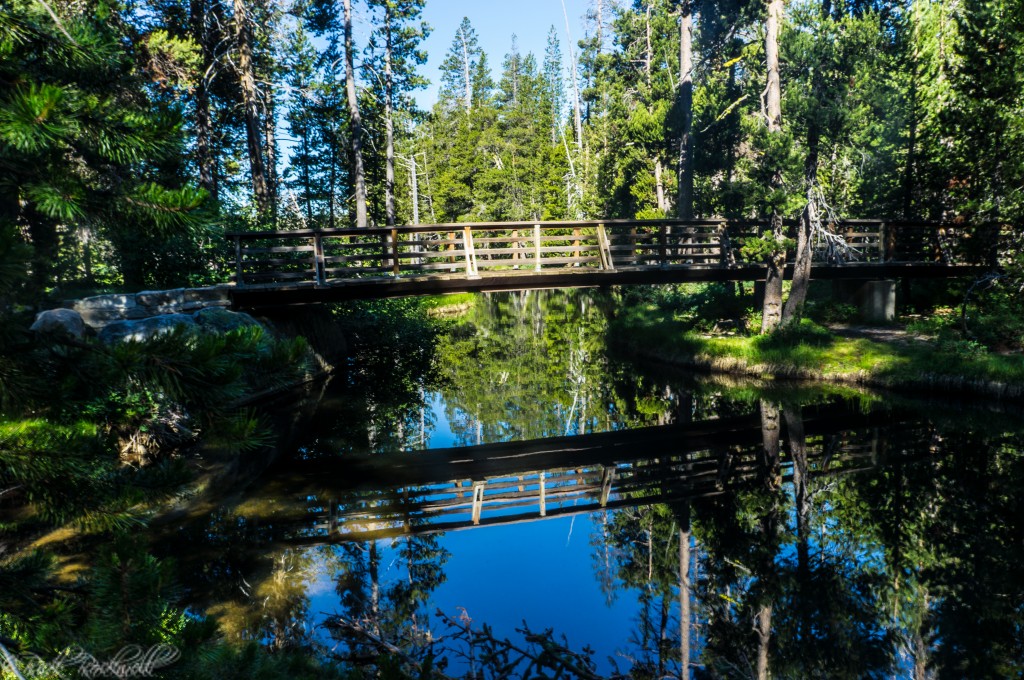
pixel 542 502
pixel 319 266
pixel 536 247
pixel 478 500
pixel 725 257
pixel 663 245
pixel 395 262
pixel 467 246
pixel 239 276
pixel 605 248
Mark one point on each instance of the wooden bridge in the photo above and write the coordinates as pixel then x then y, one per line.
pixel 285 267
pixel 348 498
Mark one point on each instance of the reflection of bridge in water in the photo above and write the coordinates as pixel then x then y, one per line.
pixel 368 497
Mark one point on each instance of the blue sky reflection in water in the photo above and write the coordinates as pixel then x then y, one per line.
pixel 541 572
pixel 498 581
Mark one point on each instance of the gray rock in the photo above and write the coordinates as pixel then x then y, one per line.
pixel 159 300
pixel 223 320
pixel 106 302
pixel 210 294
pixel 144 329
pixel 60 321
pixel 98 318
pixel 193 306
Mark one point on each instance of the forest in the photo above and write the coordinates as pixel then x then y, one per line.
pixel 133 135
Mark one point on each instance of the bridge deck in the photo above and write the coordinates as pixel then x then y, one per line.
pixel 287 267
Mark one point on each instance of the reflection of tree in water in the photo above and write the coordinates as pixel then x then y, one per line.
pixel 384 601
pixel 829 575
pixel 535 364
pixel 527 365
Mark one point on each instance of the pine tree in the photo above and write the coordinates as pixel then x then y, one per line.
pixel 80 146
pixel 460 68
pixel 396 44
pixel 554 83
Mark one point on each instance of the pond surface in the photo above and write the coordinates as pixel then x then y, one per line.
pixel 522 499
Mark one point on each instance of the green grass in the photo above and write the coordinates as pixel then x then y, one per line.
pixel 812 352
pixel 452 300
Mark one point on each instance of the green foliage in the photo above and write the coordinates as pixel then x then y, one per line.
pixel 765 247
pixel 828 311
pixel 77 146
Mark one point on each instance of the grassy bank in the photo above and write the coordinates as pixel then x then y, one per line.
pixel 812 352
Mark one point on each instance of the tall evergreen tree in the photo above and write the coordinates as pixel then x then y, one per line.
pixel 461 66
pixel 397 42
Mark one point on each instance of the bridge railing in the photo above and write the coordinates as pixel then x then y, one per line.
pixel 511 498
pixel 322 257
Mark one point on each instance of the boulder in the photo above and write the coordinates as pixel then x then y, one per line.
pixel 106 302
pixel 161 301
pixel 208 294
pixel 100 310
pixel 60 321
pixel 144 329
pixel 222 320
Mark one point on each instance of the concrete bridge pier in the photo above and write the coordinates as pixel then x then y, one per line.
pixel 876 299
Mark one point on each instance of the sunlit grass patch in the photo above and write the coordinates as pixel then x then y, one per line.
pixel 811 351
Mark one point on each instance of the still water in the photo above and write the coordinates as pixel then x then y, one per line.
pixel 519 502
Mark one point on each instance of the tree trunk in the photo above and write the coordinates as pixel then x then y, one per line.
pixel 415 189
pixel 204 157
pixel 771 313
pixel 270 132
pixel 801 499
pixel 307 182
pixel 374 568
pixel 764 637
pixel 577 116
pixel 684 601
pixel 659 187
pixel 772 481
pixel 250 106
pixel 908 171
pixel 332 180
pixel 684 202
pixel 359 174
pixel 659 182
pixel 794 309
pixel 467 81
pixel 389 122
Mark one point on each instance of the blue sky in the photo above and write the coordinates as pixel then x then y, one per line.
pixel 495 22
